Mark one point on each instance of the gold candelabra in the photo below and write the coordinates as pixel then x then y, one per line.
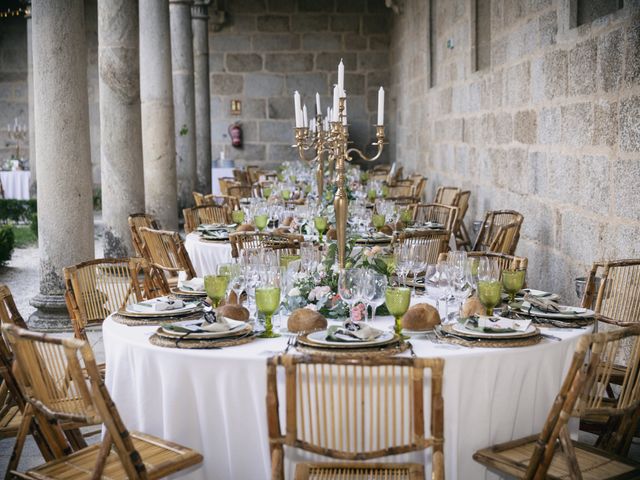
pixel 335 143
pixel 316 141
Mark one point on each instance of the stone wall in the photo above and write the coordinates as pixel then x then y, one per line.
pixel 13 82
pixel 551 128
pixel 269 48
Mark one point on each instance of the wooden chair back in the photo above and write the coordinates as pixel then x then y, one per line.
pixel 460 230
pixel 9 314
pixel 253 171
pixel 224 200
pixel 225 183
pixel 436 241
pixel 288 244
pixel 61 382
pixel 165 252
pixel 206 214
pixel 617 300
pixel 505 262
pixel 446 195
pixel 420 183
pixel 240 191
pixel 242 176
pixel 356 408
pixel 137 221
pixel 581 395
pixel 433 212
pixel 401 191
pixel 499 232
pixel 98 288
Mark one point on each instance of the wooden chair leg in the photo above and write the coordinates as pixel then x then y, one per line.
pixel 570 453
pixel 105 449
pixel 23 430
pixel 76 439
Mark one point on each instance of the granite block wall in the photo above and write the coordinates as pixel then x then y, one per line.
pixel 548 125
pixel 270 48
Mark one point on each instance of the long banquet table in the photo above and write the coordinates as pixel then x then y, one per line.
pixel 214 400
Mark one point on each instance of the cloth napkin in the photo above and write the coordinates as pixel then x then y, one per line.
pixel 496 324
pixel 362 333
pixel 216 234
pixel 194 285
pixel 162 304
pixel 222 324
pixel 542 304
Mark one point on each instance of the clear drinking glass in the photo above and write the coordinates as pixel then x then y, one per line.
pixel 237 285
pixel 350 288
pixel 489 285
pixel 374 288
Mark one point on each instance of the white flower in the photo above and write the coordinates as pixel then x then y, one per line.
pixel 320 268
pixel 335 268
pixel 294 292
pixel 317 293
pixel 311 306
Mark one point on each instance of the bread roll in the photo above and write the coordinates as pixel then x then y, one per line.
pixel 387 230
pixel 305 320
pixel 245 227
pixel 421 317
pixel 332 234
pixel 473 306
pixel 287 221
pixel 234 312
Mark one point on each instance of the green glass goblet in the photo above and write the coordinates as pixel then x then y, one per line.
pixel 489 294
pixel 406 216
pixel 216 287
pixel 378 221
pixel 237 216
pixel 512 282
pixel 307 188
pixel 321 225
pixel 261 221
pixel 371 194
pixel 266 192
pixel 267 302
pixel 286 194
pixel 397 300
pixel 385 191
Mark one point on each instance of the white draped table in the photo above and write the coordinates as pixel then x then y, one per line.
pixel 15 184
pixel 205 256
pixel 214 400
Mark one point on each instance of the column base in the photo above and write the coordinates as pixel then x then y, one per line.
pixel 51 314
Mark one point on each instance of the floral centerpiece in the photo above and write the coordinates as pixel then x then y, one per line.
pixel 318 290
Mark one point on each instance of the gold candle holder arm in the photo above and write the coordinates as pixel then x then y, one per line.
pixel 380 142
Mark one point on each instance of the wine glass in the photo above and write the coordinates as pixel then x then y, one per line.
pixel 444 280
pixel 237 216
pixel 286 193
pixel 374 289
pixel 268 298
pixel 462 286
pixel 237 285
pixel 513 281
pixel 489 285
pixel 404 261
pixel 378 221
pixel 349 288
pixel 397 300
pixel 321 225
pixel 266 192
pixel 216 287
pixel 261 220
pixel 420 254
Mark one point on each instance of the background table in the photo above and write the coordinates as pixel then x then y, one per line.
pixel 214 400
pixel 16 184
pixel 217 173
pixel 205 256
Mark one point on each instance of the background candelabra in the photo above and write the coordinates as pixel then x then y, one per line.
pixel 331 137
pixel 17 133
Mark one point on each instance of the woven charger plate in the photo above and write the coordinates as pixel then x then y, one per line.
pixel 385 351
pixel 142 322
pixel 486 343
pixel 202 344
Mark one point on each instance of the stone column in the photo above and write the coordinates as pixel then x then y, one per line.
pixel 65 206
pixel 199 24
pixel 183 98
pixel 32 121
pixel 156 99
pixel 120 129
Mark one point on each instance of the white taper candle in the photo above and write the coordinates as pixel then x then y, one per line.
pixel 318 107
pixel 381 106
pixel 297 109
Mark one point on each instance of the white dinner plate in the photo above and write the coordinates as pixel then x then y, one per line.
pixel 233 332
pixel 188 293
pixel 538 293
pixel 580 312
pixel 319 339
pixel 137 310
pixel 459 328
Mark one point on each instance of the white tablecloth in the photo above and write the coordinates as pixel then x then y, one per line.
pixel 214 400
pixel 205 256
pixel 16 184
pixel 217 173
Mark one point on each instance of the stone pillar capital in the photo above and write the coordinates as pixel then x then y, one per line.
pixel 200 11
pixel 183 2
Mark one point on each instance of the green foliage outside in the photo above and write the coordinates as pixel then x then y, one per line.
pixel 7 243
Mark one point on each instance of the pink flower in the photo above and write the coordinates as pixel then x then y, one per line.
pixel 358 312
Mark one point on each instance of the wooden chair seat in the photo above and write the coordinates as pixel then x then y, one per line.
pixel 513 458
pixel 10 421
pixel 160 458
pixel 359 471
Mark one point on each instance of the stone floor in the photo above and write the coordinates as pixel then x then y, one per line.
pixel 21 275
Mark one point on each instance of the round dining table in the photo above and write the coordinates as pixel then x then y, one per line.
pixel 214 400
pixel 206 255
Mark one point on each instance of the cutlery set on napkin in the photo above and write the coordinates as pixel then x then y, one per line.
pixel 352 332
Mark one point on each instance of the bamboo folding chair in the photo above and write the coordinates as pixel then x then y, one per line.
pixel 499 232
pixel 446 195
pixel 206 214
pixel 201 200
pixel 553 454
pixel 288 244
pixel 167 257
pixel 225 183
pixel 419 184
pixel 437 242
pixel 240 191
pixel 137 221
pixel 353 409
pixel 460 230
pixel 401 191
pixel 254 173
pixel 61 382
pixel 98 288
pixel 242 176
pixel 433 212
pixel 505 262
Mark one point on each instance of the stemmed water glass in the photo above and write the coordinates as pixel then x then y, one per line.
pixel 216 287
pixel 513 281
pixel 444 283
pixel 398 300
pixel 320 222
pixel 404 261
pixel 237 285
pixel 268 298
pixel 350 288
pixel 373 291
pixel 420 254
pixel 462 284
pixel 489 283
